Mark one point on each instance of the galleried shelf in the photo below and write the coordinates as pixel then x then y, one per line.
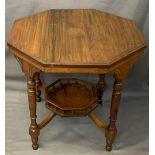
pixel 71 97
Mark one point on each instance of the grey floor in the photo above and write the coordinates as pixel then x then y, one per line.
pixel 75 136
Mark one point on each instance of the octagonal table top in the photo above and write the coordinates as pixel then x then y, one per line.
pixel 84 37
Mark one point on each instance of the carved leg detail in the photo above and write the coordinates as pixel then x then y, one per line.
pixel 34 137
pixel 38 91
pixel 101 87
pixel 33 130
pixel 111 130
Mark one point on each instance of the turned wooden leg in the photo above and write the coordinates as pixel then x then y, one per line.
pixel 111 130
pixel 101 87
pixel 38 83
pixel 33 130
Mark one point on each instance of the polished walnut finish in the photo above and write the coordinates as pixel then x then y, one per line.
pixel 59 39
pixel 75 41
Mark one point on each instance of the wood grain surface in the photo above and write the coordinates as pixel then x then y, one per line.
pixel 75 37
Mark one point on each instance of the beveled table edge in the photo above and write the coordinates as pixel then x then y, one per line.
pixel 78 68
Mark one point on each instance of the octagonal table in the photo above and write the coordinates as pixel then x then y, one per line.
pixel 75 41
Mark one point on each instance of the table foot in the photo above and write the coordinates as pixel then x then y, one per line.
pixel 110 136
pixel 35 147
pixel 34 133
pixel 108 147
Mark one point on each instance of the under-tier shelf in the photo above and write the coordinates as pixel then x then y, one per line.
pixel 71 97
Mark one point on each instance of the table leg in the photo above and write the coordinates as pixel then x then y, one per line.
pixel 38 83
pixel 33 130
pixel 111 130
pixel 101 87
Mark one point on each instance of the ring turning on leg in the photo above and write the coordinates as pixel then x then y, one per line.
pixel 38 83
pixel 33 130
pixel 111 130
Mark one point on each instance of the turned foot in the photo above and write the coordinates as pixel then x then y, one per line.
pixel 34 133
pixel 110 136
pixel 108 147
pixel 35 147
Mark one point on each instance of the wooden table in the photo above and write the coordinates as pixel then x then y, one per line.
pixel 75 41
